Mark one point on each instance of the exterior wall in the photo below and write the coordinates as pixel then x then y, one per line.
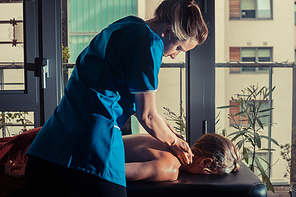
pixel 278 33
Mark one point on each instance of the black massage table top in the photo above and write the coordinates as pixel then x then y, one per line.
pixel 241 184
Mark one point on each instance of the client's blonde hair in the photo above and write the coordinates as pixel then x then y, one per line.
pixel 220 149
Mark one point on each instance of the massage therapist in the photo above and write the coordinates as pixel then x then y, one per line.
pixel 79 150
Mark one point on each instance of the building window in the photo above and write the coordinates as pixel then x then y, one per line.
pixel 295 13
pixel 250 9
pixel 250 55
pixel 236 120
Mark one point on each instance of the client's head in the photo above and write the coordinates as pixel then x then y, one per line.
pixel 214 154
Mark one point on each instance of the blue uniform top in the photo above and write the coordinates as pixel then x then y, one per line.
pixel 84 131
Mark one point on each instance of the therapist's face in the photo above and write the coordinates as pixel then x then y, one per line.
pixel 173 46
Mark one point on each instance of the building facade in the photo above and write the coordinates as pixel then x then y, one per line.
pixel 260 35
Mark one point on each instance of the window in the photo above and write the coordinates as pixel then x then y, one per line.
pixel 87 18
pixel 13 123
pixel 250 54
pixel 295 13
pixel 250 9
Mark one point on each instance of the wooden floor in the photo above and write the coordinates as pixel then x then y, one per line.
pixel 280 191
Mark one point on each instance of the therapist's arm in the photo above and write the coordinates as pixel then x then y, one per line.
pixel 156 126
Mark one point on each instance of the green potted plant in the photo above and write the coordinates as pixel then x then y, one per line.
pixel 249 125
pixel 286 152
pixel 180 121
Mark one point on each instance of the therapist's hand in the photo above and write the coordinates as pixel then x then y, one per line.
pixel 182 151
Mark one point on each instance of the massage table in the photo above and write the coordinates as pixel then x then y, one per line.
pixel 243 183
pixel 239 184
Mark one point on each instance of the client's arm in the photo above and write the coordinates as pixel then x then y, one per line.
pixel 15 170
pixel 164 169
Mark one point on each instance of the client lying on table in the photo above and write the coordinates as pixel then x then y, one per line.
pixel 148 159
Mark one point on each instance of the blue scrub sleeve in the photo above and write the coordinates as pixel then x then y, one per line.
pixel 144 56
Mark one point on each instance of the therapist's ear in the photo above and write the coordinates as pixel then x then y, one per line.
pixel 166 30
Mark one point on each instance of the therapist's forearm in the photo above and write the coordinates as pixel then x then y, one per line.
pixel 156 126
pixel 150 118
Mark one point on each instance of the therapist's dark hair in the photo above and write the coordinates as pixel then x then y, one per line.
pixel 185 17
pixel 220 149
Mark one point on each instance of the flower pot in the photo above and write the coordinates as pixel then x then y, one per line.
pixel 293 190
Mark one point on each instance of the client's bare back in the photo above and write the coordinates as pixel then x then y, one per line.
pixel 143 147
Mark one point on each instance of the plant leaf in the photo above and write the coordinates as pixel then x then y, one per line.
pixel 271 139
pixel 237 136
pixel 263 116
pixel 258 140
pixel 270 91
pixel 260 90
pixel 217 121
pixel 234 133
pixel 259 122
pixel 263 110
pixel 227 106
pixel 218 115
pixel 235 126
pixel 240 143
pixel 245 153
pixel 264 176
pixel 269 166
pixel 240 113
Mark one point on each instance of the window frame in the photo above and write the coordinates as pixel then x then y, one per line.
pixel 235 17
pixel 294 13
pixel 200 79
pixel 257 69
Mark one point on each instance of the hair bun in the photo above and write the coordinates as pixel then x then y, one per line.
pixel 189 3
